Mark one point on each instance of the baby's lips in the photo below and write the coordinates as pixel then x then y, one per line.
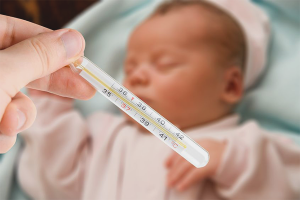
pixel 144 99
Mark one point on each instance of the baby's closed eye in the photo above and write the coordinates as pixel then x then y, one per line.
pixel 167 62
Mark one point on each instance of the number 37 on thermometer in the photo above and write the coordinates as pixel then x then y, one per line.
pixel 141 112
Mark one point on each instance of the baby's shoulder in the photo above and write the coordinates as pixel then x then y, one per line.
pixel 251 125
pixel 253 129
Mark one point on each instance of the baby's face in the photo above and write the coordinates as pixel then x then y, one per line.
pixel 170 67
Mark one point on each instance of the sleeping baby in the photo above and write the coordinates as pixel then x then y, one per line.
pixel 200 54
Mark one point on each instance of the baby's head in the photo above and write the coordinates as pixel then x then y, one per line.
pixel 187 62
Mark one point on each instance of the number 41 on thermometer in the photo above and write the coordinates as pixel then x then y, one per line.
pixel 141 112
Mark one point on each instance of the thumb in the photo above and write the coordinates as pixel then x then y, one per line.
pixel 37 57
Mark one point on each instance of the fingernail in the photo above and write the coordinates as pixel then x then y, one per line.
pixel 72 42
pixel 21 119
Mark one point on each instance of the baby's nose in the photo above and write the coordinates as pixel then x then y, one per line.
pixel 140 76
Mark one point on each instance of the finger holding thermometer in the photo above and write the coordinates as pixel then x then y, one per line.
pixel 141 112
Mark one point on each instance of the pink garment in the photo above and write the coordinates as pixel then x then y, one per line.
pixel 105 158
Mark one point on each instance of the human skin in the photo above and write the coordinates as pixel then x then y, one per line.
pixel 171 67
pixel 34 56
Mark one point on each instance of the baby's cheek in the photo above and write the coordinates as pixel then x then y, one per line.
pixel 173 101
pixel 177 93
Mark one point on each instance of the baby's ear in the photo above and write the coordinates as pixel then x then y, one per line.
pixel 233 85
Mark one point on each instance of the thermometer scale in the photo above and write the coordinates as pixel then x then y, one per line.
pixel 141 112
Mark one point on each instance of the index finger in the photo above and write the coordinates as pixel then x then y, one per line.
pixel 12 30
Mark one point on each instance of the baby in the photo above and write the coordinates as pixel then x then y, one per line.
pixel 190 61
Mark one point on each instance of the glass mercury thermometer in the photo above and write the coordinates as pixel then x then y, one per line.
pixel 141 112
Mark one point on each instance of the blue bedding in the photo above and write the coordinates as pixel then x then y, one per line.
pixel 273 101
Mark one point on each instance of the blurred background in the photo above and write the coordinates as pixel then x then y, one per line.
pixel 273 102
pixel 53 14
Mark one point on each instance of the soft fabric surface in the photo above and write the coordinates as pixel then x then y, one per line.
pixel 274 101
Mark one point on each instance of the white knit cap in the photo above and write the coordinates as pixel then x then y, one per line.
pixel 255 25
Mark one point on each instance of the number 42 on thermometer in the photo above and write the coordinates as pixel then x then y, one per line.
pixel 141 112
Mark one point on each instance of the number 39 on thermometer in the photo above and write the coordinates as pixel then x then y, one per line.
pixel 141 112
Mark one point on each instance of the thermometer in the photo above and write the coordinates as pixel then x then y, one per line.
pixel 141 112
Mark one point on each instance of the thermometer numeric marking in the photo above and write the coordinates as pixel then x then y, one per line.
pixel 141 112
pixel 124 92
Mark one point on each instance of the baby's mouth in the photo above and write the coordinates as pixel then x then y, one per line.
pixel 144 99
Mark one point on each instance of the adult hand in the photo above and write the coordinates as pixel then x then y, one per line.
pixel 34 56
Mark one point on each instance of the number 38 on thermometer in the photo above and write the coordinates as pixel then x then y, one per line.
pixel 141 112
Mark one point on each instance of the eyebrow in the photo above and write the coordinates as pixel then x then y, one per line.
pixel 157 51
pixel 164 48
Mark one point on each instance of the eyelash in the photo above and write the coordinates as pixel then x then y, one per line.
pixel 130 66
pixel 167 65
